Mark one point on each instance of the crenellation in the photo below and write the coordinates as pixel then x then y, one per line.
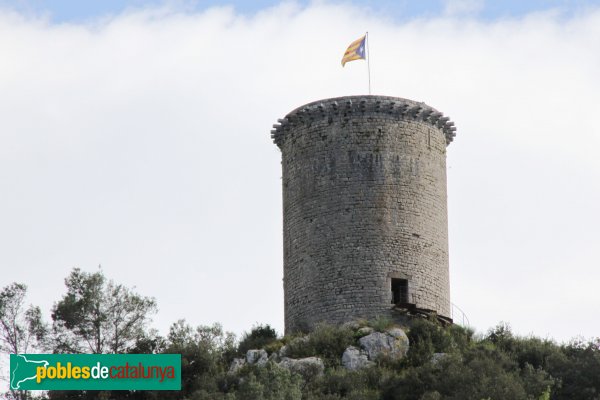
pixel 345 108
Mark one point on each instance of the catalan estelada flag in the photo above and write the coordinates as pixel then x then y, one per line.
pixel 356 51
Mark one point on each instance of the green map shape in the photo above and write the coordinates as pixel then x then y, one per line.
pixel 23 369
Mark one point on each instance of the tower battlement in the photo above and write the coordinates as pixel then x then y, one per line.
pixel 349 105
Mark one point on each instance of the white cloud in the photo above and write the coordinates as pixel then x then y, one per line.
pixel 141 143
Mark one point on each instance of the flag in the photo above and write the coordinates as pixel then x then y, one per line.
pixel 356 51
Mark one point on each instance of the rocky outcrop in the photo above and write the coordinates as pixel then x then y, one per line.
pixel 283 351
pixel 354 359
pixel 392 344
pixel 365 330
pixel 308 367
pixel 236 365
pixel 258 357
pixel 402 342
pixel 352 325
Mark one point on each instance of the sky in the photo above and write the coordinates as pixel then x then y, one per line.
pixel 61 11
pixel 136 136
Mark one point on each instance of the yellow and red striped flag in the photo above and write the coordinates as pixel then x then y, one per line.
pixel 356 51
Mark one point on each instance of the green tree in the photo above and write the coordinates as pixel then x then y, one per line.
pixel 577 369
pixel 99 316
pixel 22 329
pixel 204 351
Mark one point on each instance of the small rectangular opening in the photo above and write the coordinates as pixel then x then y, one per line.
pixel 399 291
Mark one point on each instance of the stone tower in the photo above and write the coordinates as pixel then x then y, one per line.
pixel 365 222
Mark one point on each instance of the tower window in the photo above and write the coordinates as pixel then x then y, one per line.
pixel 399 291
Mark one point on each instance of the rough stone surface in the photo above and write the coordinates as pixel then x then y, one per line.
pixel 379 344
pixel 364 201
pixel 401 338
pixel 354 359
pixel 365 330
pixel 236 364
pixel 307 367
pixel 258 357
pixel 274 357
pixel 397 333
pixel 283 351
pixel 353 325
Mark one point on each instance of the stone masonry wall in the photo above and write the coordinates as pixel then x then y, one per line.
pixel 364 201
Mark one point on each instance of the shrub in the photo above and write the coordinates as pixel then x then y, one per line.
pixel 381 323
pixel 258 338
pixel 326 341
pixel 427 337
pixel 274 347
pixel 269 382
pixel 339 383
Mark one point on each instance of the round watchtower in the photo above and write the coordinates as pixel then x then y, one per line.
pixel 365 224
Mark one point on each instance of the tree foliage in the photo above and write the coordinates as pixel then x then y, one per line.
pixel 205 353
pixel 258 338
pixel 21 327
pixel 99 316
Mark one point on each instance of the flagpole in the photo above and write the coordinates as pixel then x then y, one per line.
pixel 368 60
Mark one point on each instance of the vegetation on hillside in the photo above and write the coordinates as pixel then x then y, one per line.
pixel 443 362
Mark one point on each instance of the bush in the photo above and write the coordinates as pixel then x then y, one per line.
pixel 326 341
pixel 381 323
pixel 578 369
pixel 258 338
pixel 339 383
pixel 269 382
pixel 427 337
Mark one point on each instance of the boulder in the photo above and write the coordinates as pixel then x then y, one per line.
pixel 354 359
pixel 379 344
pixel 397 333
pixel 308 367
pixel 352 325
pixel 282 351
pixel 365 330
pixel 274 357
pixel 401 339
pixel 258 357
pixel 236 365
